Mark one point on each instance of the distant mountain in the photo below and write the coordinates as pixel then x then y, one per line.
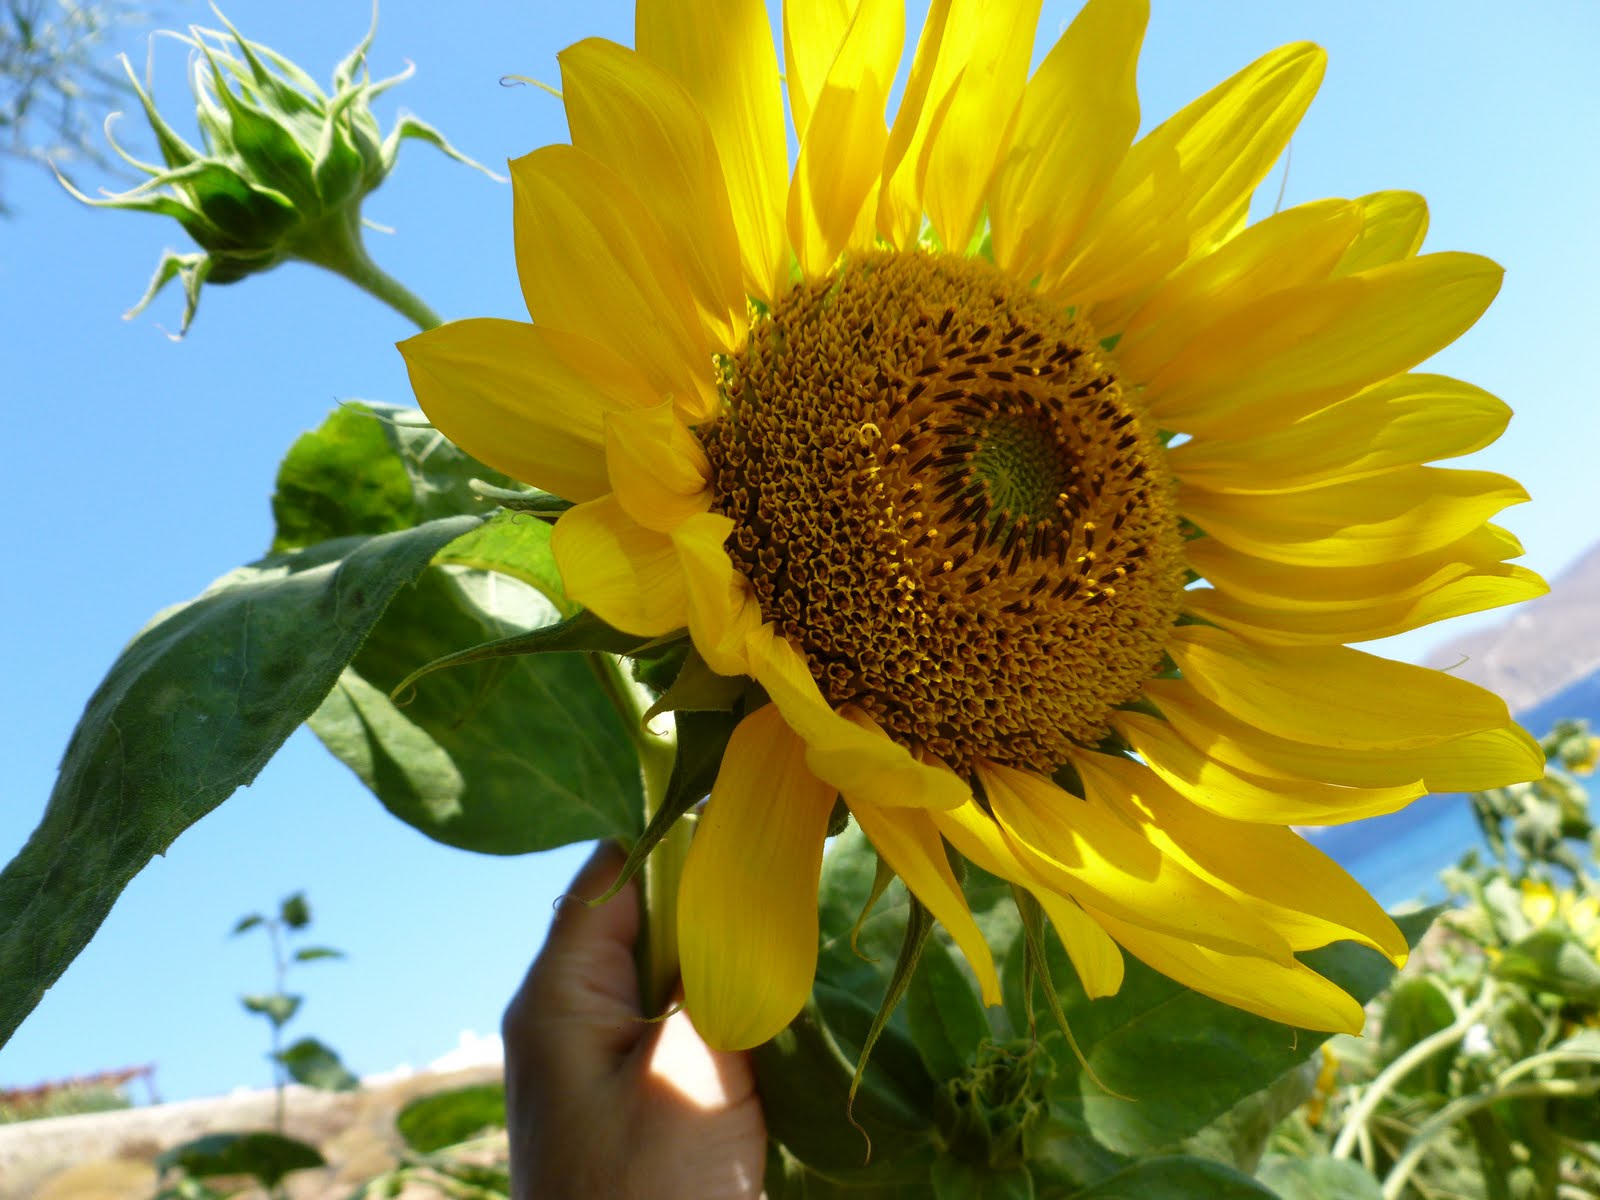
pixel 1542 648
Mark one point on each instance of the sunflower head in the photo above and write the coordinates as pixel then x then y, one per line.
pixel 1035 491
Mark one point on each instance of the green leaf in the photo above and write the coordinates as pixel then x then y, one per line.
pixel 341 480
pixel 277 1007
pixel 503 755
pixel 1320 1178
pixel 248 923
pixel 295 912
pixel 430 1123
pixel 954 1179
pixel 266 1156
pixel 1177 1177
pixel 192 710
pixel 944 1013
pixel 517 546
pixel 310 1062
pixel 1552 960
pixel 313 953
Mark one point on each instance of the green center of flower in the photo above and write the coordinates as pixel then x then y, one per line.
pixel 943 497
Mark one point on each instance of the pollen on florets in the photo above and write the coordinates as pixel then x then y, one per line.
pixel 944 497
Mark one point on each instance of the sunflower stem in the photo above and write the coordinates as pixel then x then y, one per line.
pixel 336 245
pixel 656 949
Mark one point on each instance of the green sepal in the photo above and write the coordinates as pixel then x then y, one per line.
pixel 544 505
pixel 702 737
pixel 697 688
pixel 581 632
pixel 883 876
pixel 919 924
pixel 1038 968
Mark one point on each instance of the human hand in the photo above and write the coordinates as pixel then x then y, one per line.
pixel 601 1105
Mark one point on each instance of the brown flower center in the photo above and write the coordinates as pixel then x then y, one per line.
pixel 943 496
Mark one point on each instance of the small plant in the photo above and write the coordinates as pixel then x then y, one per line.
pixel 307 1060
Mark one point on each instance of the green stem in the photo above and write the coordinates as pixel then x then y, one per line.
pixel 337 246
pixel 1361 1112
pixel 1447 1116
pixel 657 945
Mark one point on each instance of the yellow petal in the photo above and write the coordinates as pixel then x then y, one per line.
pixel 527 400
pixel 747 906
pixel 812 33
pixel 658 469
pixel 722 53
pixel 1299 350
pixel 854 755
pixel 966 80
pixel 1402 421
pixel 1402 513
pixel 1466 592
pixel 1287 586
pixel 593 260
pixel 1228 791
pixel 1078 116
pixel 629 575
pixel 1492 758
pixel 1393 226
pixel 1094 955
pixel 1085 849
pixel 1269 869
pixel 722 611
pixel 909 842
pixel 1184 182
pixel 1332 695
pixel 842 153
pixel 637 120
pixel 1289 249
pixel 1289 992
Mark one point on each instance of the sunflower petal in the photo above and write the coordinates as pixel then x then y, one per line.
pixel 1299 350
pixel 636 119
pixel 594 261
pixel 1230 791
pixel 1078 117
pixel 1085 849
pixel 1467 591
pixel 842 154
pixel 1290 992
pixel 722 612
pixel 722 53
pixel 1270 869
pixel 854 755
pixel 1289 249
pixel 813 30
pixel 1183 183
pixel 527 400
pixel 1402 421
pixel 1474 762
pixel 1402 513
pixel 965 83
pixel 1332 695
pixel 909 842
pixel 658 469
pixel 1094 954
pixel 747 905
pixel 1393 226
pixel 628 575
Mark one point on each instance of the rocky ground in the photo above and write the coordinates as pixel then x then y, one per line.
pixel 109 1156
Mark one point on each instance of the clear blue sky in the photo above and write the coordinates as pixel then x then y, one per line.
pixel 140 468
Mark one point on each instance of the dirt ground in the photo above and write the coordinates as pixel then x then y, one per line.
pixel 108 1156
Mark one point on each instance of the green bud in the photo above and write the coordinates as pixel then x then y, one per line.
pixel 283 170
pixel 986 1115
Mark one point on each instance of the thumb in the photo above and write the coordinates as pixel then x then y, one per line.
pixel 577 1012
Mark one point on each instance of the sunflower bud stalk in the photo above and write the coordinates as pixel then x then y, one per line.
pixel 283 173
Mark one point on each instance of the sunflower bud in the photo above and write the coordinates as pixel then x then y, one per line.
pixel 284 169
pixel 986 1114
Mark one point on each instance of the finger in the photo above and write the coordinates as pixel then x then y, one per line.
pixel 681 1066
pixel 577 1013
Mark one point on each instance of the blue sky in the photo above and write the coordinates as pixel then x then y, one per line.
pixel 141 467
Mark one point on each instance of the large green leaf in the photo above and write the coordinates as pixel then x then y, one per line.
pixel 1177 1177
pixel 267 1156
pixel 192 710
pixel 432 1122
pixel 504 756
pixel 1320 1178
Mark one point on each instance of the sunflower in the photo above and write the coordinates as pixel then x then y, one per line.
pixel 1035 490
